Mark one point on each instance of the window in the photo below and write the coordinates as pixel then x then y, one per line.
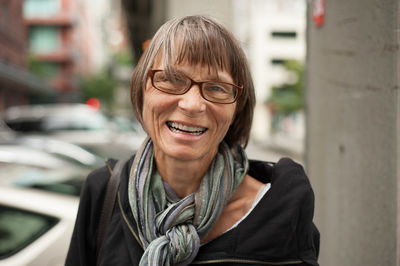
pixel 19 228
pixel 43 38
pixel 41 8
pixel 284 34
pixel 43 178
pixel 277 62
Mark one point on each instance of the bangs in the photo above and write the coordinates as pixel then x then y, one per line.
pixel 198 44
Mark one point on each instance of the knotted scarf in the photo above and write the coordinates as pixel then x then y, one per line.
pixel 171 228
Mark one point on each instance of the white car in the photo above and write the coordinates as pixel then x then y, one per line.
pixel 35 226
pixel 33 168
pixel 58 148
pixel 78 124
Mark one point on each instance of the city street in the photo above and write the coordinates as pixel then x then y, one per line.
pixel 263 152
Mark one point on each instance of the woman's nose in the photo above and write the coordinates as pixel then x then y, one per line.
pixel 192 101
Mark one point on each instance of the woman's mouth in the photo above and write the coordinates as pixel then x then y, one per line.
pixel 180 128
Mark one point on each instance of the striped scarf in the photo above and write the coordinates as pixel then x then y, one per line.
pixel 171 228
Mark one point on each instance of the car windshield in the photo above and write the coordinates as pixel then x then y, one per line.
pixel 47 118
pixel 60 180
pixel 18 228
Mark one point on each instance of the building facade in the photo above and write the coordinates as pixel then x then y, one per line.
pixel 272 32
pixel 50 31
pixel 17 85
pixel 71 39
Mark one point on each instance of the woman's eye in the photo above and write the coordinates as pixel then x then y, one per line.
pixel 216 88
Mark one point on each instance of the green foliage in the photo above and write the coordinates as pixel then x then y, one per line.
pixel 287 98
pixel 101 86
pixel 37 67
pixel 123 58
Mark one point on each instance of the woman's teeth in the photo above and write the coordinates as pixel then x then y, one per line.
pixel 179 128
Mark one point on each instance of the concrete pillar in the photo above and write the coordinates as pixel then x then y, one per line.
pixel 353 129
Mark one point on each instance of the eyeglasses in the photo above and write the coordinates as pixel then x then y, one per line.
pixel 178 84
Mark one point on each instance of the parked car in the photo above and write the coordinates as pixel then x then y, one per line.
pixel 32 168
pixel 55 117
pixel 62 149
pixel 39 196
pixel 78 124
pixel 6 133
pixel 35 227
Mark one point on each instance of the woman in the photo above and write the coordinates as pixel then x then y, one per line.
pixel 190 195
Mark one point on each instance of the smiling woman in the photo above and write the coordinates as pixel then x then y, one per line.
pixel 190 195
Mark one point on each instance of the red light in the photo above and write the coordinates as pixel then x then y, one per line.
pixel 94 103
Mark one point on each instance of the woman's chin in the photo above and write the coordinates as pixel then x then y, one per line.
pixel 186 154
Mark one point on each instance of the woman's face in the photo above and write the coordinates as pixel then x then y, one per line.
pixel 186 127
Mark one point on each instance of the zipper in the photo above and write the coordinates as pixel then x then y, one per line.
pixel 127 222
pixel 122 211
pixel 242 261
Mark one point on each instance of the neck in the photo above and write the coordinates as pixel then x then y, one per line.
pixel 184 177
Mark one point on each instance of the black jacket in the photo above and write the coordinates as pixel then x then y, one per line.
pixel 278 230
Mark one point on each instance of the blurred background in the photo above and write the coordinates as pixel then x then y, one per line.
pixel 65 68
pixel 326 80
pixel 70 52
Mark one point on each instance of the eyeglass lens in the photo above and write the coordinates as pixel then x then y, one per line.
pixel 177 83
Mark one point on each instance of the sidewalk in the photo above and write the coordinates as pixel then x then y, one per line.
pixel 275 149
